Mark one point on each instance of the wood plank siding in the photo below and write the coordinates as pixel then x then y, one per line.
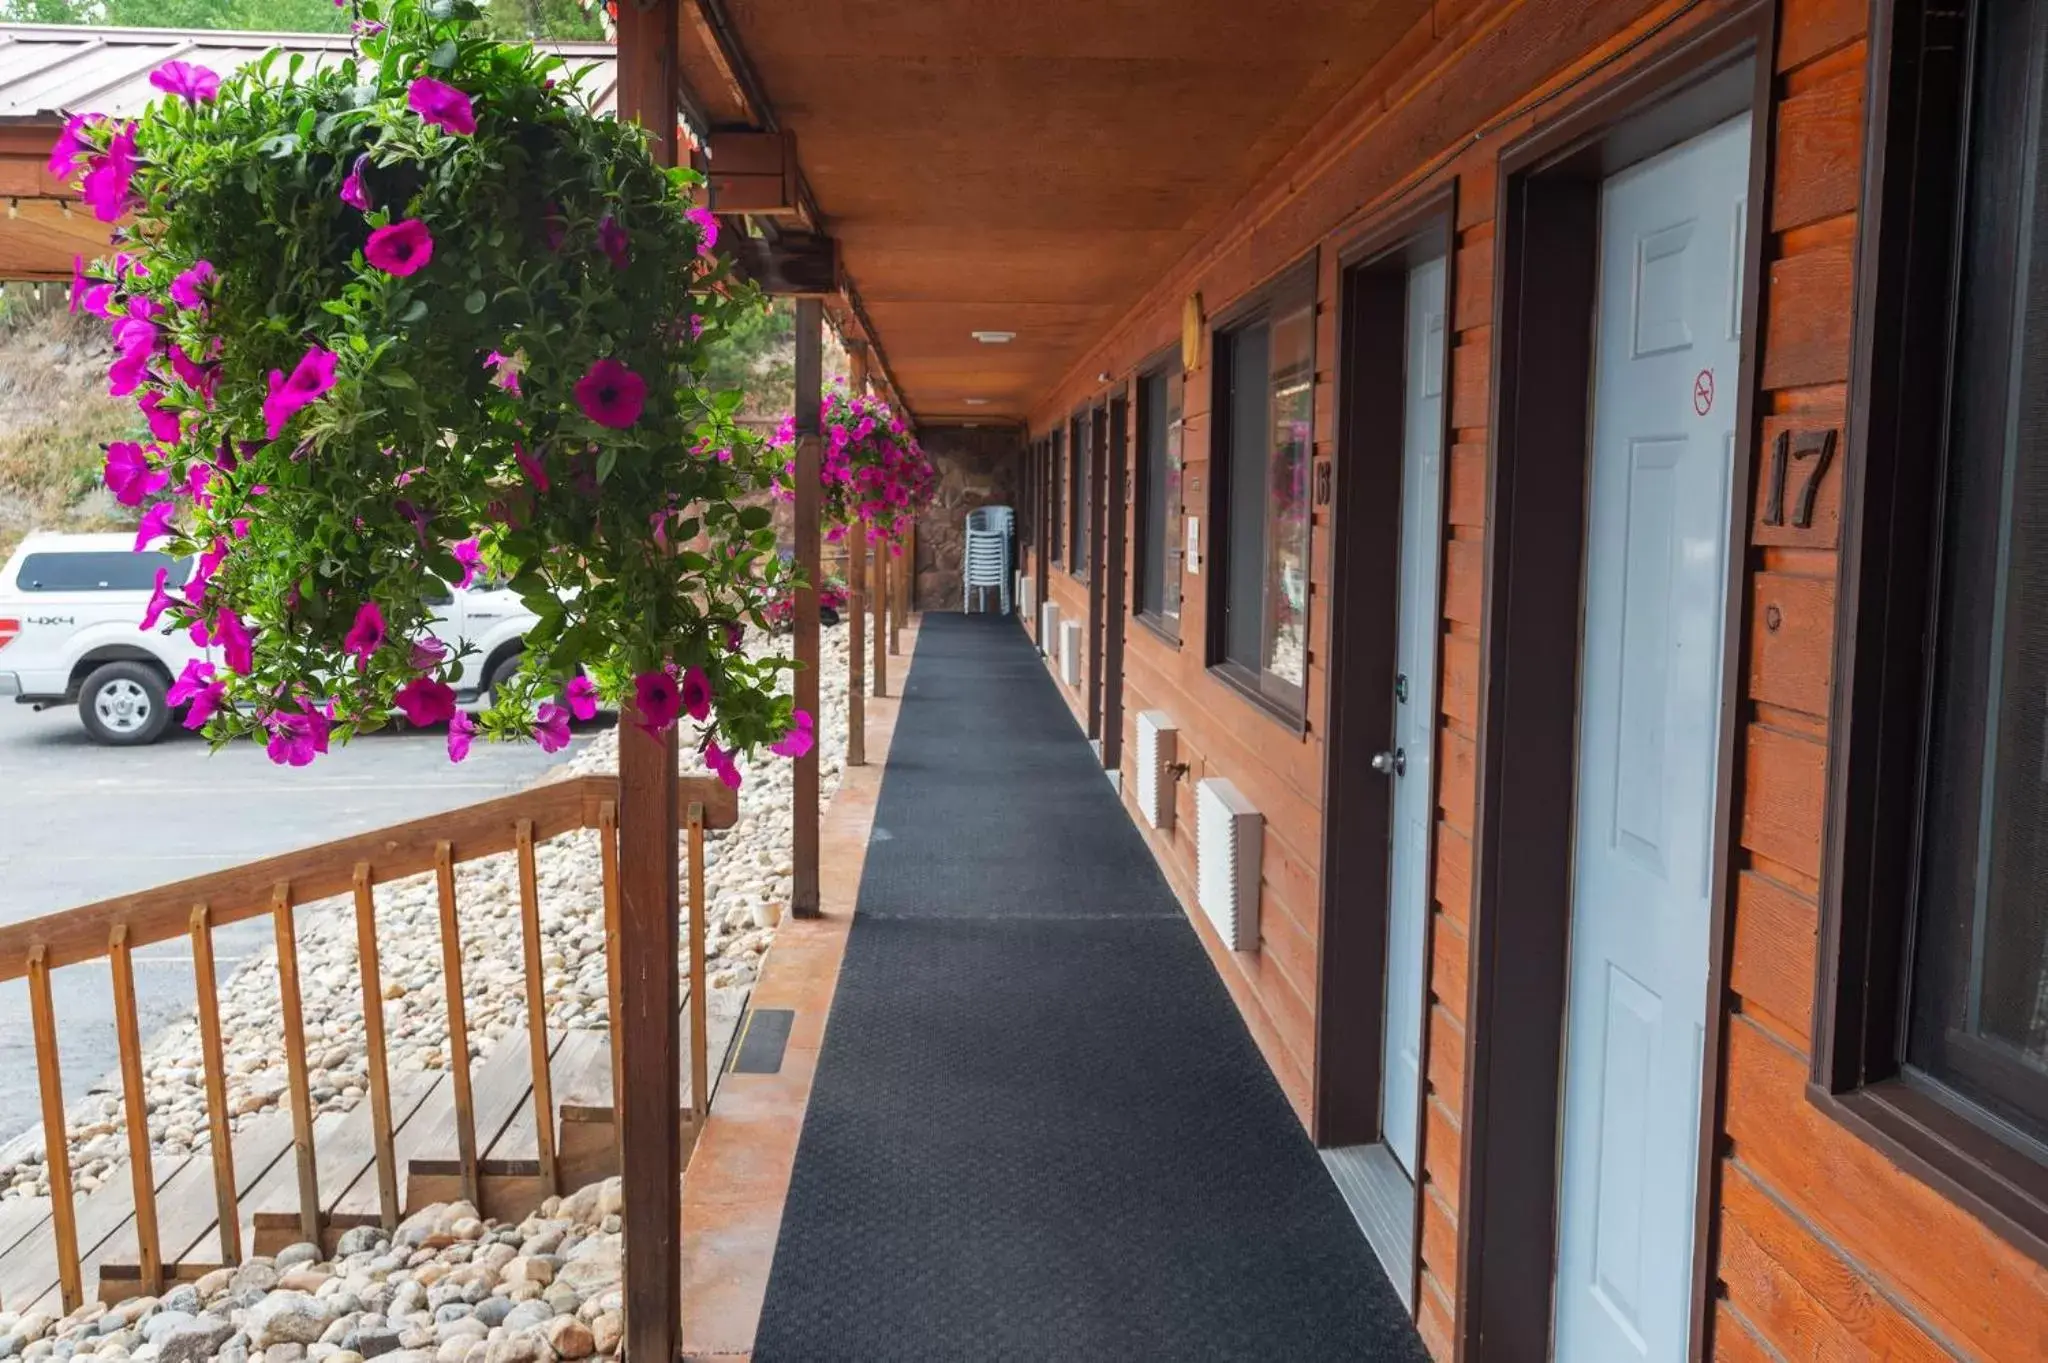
pixel 1823 1248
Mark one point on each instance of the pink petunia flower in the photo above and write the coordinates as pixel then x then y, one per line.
pixel 237 646
pixel 196 479
pixel 611 394
pixel 722 766
pixel 156 525
pixel 107 181
pixel 163 426
pixel 297 738
pixel 195 83
pixel 612 240
pixel 310 379
pixel 580 695
pixel 696 694
pixel 534 469
pixel 424 701
pixel 353 192
pixel 707 224
pixel 185 289
pixel 366 635
pixel 196 685
pixel 470 556
pixel 71 148
pixel 442 105
pixel 209 563
pixel 506 370
pixel 657 701
pixel 159 600
pixel 129 476
pixel 798 741
pixel 551 727
pixel 400 249
pixel 461 729
pixel 426 652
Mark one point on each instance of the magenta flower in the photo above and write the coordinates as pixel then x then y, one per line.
pixel 195 83
pixel 798 740
pixel 400 249
pixel 106 183
pixel 426 653
pixel 296 739
pixel 580 695
pixel 707 224
pixel 461 729
pixel 185 289
pixel 196 685
pixel 611 394
pixel 366 635
pixel 442 105
pixel 353 191
pixel 129 476
pixel 70 148
pixel 696 694
pixel 163 426
pixel 471 558
pixel 534 469
pixel 722 766
pixel 209 563
pixel 156 525
pixel 196 479
pixel 655 697
pixel 236 644
pixel 612 240
pixel 310 379
pixel 551 727
pixel 506 370
pixel 424 701
pixel 159 600
pixel 198 377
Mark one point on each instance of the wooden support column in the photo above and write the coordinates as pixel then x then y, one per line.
pixel 856 594
pixel 903 577
pixel 883 622
pixel 648 1041
pixel 810 324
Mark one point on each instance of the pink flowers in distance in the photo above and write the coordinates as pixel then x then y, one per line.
pixel 401 249
pixel 109 174
pixel 611 394
pixel 442 105
pixel 707 224
pixel 310 379
pixel 505 372
pixel 195 83
pixel 196 687
pixel 802 734
pixel 129 476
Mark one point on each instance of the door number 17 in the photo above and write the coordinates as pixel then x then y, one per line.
pixel 1820 446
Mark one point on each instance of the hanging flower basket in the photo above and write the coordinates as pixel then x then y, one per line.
pixel 872 472
pixel 401 320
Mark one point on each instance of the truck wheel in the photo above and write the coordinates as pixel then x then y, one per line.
pixel 122 705
pixel 501 672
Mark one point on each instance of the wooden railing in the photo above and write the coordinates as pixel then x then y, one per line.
pixel 114 929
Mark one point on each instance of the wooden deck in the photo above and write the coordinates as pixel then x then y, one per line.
pixel 507 1182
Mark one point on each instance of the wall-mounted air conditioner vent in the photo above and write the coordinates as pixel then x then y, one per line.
pixel 1229 835
pixel 1158 741
pixel 1027 595
pixel 1070 652
pixel 1048 627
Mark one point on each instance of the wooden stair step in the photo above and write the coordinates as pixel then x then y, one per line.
pixel 19 1218
pixel 497 1088
pixel 340 1161
pixel 516 1152
pixel 590 1098
pixel 188 1212
pixel 28 1272
pixel 358 1204
pixel 281 1180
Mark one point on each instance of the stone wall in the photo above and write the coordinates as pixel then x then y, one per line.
pixel 978 466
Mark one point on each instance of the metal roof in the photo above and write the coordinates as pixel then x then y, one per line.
pixel 48 71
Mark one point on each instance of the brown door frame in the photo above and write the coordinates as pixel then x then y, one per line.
pixel 1048 474
pixel 1548 252
pixel 1115 574
pixel 1365 623
pixel 1096 421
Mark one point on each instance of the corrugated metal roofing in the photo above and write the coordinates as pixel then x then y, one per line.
pixel 48 71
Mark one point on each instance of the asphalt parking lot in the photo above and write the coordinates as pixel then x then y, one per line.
pixel 80 822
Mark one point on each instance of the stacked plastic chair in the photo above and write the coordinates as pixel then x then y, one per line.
pixel 985 561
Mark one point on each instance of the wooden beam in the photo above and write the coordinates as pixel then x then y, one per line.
pixel 804 802
pixel 800 266
pixel 650 895
pixel 753 173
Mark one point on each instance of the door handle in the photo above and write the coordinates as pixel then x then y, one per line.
pixel 1393 763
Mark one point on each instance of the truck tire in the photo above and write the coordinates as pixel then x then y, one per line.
pixel 122 705
pixel 501 672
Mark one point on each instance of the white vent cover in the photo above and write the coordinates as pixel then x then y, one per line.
pixel 1158 740
pixel 1228 838
pixel 1070 652
pixel 1048 626
pixel 1027 595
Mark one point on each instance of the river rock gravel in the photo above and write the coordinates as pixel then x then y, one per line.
pixel 747 882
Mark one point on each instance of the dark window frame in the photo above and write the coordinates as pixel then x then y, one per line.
pixel 1293 287
pixel 1080 450
pixel 1908 292
pixel 1056 481
pixel 144 562
pixel 1171 552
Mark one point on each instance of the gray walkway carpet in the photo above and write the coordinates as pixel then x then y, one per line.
pixel 1040 1129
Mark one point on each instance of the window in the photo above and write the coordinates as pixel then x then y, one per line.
pixel 1159 548
pixel 1265 375
pixel 1055 479
pixel 1934 1006
pixel 1077 498
pixel 96 571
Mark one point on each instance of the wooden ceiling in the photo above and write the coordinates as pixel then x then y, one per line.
pixel 1033 167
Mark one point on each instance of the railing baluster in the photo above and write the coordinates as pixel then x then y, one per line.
pixel 295 1061
pixel 373 1035
pixel 700 1070
pixel 608 861
pixel 884 618
pixel 206 987
pixel 56 1147
pixel 537 1011
pixel 135 1109
pixel 458 1022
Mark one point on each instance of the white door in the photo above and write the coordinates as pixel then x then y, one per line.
pixel 1414 710
pixel 1671 232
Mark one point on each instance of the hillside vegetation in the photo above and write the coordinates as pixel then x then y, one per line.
pixel 56 419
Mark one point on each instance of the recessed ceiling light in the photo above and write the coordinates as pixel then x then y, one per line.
pixel 994 337
pixel 975 402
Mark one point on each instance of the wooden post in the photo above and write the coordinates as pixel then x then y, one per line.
pixel 206 990
pixel 700 1024
pixel 458 1025
pixel 646 1045
pixel 883 606
pixel 135 1110
pixel 903 577
pixel 856 594
pixel 56 1136
pixel 810 321
pixel 538 1049
pixel 370 967
pixel 293 1018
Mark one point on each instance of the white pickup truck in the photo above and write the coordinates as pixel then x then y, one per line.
pixel 71 608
